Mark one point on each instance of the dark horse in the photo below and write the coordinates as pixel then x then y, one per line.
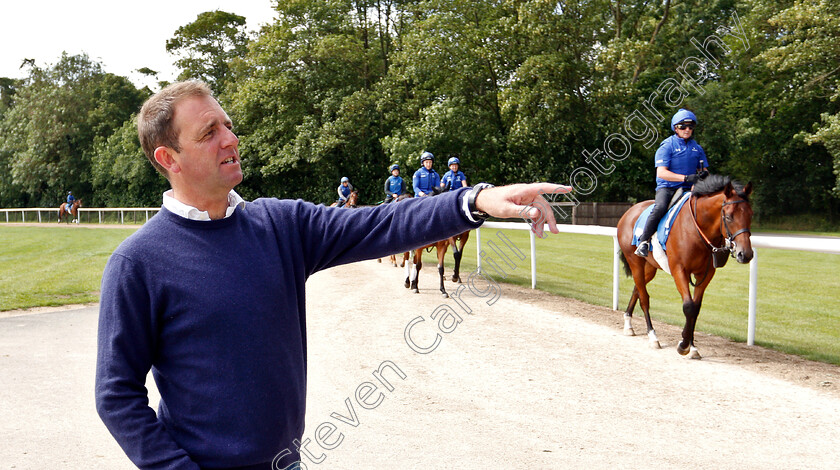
pixel 712 225
pixel 74 211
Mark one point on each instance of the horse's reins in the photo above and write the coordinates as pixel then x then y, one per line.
pixel 729 239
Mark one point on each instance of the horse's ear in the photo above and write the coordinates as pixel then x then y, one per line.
pixel 748 189
pixel 729 191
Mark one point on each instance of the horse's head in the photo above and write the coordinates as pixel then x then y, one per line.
pixel 78 203
pixel 353 198
pixel 736 218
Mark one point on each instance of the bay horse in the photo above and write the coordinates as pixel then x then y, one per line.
pixel 74 211
pixel 412 272
pixel 352 200
pixel 713 224
pixel 404 256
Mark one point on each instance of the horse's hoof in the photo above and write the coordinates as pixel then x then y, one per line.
pixel 693 353
pixel 445 295
pixel 629 332
pixel 407 285
pixel 654 345
pixel 456 279
pixel 416 291
pixel 681 350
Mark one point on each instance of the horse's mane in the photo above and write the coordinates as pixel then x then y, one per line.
pixel 714 183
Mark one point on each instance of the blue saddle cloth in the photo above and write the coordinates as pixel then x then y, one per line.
pixel 664 224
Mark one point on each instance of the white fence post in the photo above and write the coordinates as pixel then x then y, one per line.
pixel 478 250
pixel 753 298
pixel 616 277
pixel 533 260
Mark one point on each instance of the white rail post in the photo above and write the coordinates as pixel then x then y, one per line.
pixel 753 297
pixel 23 215
pixel 100 216
pixel 616 277
pixel 533 260
pixel 478 250
pixel 121 217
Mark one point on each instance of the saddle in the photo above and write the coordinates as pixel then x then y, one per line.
pixel 664 228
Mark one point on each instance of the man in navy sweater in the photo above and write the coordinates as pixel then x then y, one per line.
pixel 209 294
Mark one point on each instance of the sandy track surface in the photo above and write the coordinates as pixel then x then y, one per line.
pixel 531 381
pixel 536 381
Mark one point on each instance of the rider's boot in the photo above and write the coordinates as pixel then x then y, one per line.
pixel 643 249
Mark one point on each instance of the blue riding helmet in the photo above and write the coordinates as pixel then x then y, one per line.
pixel 426 156
pixel 681 116
pixel 393 167
pixel 453 160
pixel 343 179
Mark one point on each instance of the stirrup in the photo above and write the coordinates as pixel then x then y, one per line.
pixel 643 249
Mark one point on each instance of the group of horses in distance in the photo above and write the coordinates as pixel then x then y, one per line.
pixel 413 260
pixel 412 269
pixel 69 216
pixel 713 225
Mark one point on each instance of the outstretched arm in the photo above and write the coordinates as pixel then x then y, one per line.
pixel 524 201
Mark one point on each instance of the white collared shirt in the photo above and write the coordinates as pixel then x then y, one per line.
pixel 189 212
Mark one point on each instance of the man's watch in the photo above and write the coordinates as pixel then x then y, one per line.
pixel 471 196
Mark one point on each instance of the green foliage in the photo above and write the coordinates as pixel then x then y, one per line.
pixel 206 47
pixel 48 135
pixel 519 90
pixel 122 176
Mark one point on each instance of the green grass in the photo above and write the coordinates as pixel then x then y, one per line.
pixel 798 308
pixel 798 304
pixel 47 266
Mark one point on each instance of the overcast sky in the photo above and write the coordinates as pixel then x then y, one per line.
pixel 122 36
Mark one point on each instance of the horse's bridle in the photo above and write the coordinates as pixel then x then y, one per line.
pixel 729 239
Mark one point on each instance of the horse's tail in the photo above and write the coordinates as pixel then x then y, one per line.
pixel 627 271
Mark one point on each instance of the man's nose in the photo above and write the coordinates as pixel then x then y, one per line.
pixel 230 139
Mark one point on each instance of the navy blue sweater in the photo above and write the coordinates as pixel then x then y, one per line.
pixel 217 311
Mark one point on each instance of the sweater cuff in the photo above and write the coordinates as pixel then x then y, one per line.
pixel 463 199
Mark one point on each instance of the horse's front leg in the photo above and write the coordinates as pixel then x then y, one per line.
pixel 415 272
pixel 456 273
pixel 691 309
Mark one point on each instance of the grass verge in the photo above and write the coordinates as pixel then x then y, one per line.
pixel 798 309
pixel 49 266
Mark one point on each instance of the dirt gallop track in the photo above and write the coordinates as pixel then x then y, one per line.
pixel 535 381
pixel 531 381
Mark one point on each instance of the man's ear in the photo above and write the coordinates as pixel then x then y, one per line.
pixel 165 157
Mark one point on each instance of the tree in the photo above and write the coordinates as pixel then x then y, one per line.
pixel 808 48
pixel 122 175
pixel 206 47
pixel 58 112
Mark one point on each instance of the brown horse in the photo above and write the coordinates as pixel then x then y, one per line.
pixel 352 200
pixel 74 211
pixel 404 256
pixel 412 272
pixel 712 225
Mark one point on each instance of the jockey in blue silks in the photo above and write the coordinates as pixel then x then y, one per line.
pixel 454 178
pixel 70 200
pixel 394 185
pixel 680 161
pixel 344 190
pixel 425 179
